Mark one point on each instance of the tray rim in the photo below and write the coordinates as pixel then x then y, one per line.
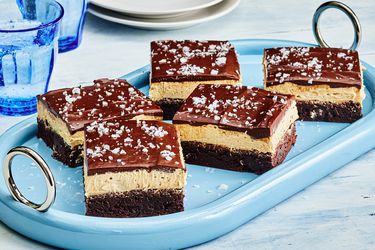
pixel 213 210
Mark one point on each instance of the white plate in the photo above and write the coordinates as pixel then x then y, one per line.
pixel 154 8
pixel 196 17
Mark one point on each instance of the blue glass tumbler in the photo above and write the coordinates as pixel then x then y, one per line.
pixel 29 32
pixel 72 24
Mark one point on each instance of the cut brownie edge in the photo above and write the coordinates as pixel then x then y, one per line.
pixel 238 160
pixel 136 203
pixel 328 111
pixel 169 107
pixel 61 151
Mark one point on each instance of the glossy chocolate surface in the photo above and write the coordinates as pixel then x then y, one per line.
pixel 252 110
pixel 191 60
pixel 311 66
pixel 118 145
pixel 104 100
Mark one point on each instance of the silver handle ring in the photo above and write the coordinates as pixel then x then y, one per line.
pixel 47 174
pixel 348 11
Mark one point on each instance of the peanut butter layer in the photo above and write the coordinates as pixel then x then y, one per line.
pixel 231 139
pixel 180 90
pixel 140 179
pixel 322 93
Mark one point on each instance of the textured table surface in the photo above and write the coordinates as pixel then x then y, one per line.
pixel 336 212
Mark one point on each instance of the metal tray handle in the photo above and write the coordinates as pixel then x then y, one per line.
pixel 348 11
pixel 47 174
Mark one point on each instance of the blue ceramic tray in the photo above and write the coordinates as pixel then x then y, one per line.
pixel 212 209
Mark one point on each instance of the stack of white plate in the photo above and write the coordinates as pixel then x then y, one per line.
pixel 161 14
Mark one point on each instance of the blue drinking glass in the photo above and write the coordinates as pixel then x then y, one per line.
pixel 28 47
pixel 72 24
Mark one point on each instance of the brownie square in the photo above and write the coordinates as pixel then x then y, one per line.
pixel 327 82
pixel 133 169
pixel 236 128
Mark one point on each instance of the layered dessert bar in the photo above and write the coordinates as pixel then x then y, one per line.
pixel 327 82
pixel 133 169
pixel 178 67
pixel 63 113
pixel 236 128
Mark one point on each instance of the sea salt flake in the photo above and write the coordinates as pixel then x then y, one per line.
pixel 190 69
pixel 223 187
pixel 154 131
pixel 214 72
pixel 221 61
pixel 168 155
pixel 116 151
pixel 76 91
pixel 199 100
pixel 350 66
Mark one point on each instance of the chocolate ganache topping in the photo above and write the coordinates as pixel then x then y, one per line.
pixel 104 100
pixel 311 66
pixel 252 110
pixel 191 60
pixel 118 145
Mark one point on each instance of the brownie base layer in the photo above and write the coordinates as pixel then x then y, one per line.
pixel 136 203
pixel 237 160
pixel 61 151
pixel 328 111
pixel 169 107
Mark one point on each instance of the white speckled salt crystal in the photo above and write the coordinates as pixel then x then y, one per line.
pixel 350 66
pixel 221 61
pixel 199 100
pixel 76 91
pixel 168 155
pixel 116 151
pixel 223 187
pixel 190 69
pixel 154 131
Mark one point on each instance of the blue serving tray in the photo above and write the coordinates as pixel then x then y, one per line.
pixel 217 201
